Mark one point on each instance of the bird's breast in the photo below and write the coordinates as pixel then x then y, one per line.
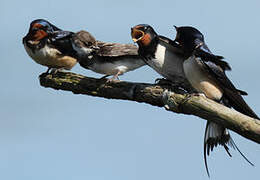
pixel 51 57
pixel 200 79
pixel 166 62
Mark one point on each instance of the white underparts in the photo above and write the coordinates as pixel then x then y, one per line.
pixel 117 66
pixel 200 79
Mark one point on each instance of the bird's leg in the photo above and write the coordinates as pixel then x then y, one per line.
pixel 174 86
pixel 47 72
pixel 163 81
pixel 114 77
pixel 103 77
pixel 56 70
pixel 197 94
pixel 189 96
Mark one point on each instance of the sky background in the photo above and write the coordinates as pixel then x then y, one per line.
pixel 47 134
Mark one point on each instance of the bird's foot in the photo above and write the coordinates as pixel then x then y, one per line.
pixel 47 72
pixel 197 94
pixel 163 81
pixel 111 80
pixel 114 78
pixel 189 96
pixel 104 77
pixel 174 86
pixel 56 70
pixel 51 71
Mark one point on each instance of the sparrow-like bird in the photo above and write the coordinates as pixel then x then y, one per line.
pixel 105 58
pixel 206 73
pixel 49 46
pixel 160 53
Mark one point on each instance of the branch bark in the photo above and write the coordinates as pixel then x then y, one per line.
pixel 174 100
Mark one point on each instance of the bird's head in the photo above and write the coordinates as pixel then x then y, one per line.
pixel 84 44
pixel 85 39
pixel 40 29
pixel 143 34
pixel 189 38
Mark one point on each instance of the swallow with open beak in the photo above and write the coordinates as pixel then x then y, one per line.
pixel 49 46
pixel 160 53
pixel 206 73
pixel 105 58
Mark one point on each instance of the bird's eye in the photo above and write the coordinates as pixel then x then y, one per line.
pixel 145 28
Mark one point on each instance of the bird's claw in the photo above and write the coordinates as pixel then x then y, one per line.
pixel 163 81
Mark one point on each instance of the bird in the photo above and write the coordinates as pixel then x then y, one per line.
pixel 103 57
pixel 160 53
pixel 207 74
pixel 49 46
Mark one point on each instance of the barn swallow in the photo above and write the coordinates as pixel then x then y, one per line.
pixel 160 53
pixel 206 73
pixel 105 58
pixel 49 46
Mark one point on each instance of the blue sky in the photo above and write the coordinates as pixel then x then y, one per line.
pixel 48 134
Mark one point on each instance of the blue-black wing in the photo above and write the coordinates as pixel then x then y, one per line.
pixel 203 51
pixel 62 41
pixel 231 93
pixel 176 48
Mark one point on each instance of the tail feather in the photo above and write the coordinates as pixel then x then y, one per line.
pixel 214 135
pixel 236 148
pixel 218 135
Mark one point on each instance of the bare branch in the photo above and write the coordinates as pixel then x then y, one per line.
pixel 174 100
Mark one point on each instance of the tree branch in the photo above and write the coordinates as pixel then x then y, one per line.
pixel 174 100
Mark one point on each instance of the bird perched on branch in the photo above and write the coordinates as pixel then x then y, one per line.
pixel 160 53
pixel 49 46
pixel 105 58
pixel 206 73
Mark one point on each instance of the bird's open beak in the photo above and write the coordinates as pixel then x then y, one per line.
pixel 136 34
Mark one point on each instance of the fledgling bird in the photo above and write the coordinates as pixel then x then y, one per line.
pixel 49 46
pixel 160 53
pixel 206 73
pixel 105 58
